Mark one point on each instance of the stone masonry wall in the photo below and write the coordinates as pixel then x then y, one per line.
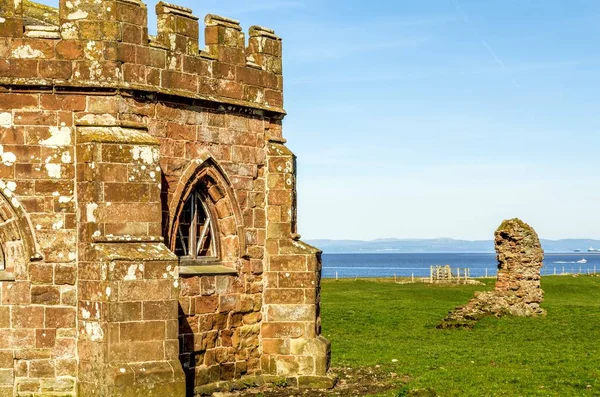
pixel 105 131
pixel 38 326
pixel 222 151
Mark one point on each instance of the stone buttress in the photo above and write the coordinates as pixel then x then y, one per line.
pixel 108 137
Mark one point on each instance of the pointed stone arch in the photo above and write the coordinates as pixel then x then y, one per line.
pixel 17 236
pixel 205 174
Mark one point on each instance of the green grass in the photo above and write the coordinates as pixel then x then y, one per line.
pixel 371 323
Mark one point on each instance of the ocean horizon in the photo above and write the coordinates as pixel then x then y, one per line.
pixel 480 264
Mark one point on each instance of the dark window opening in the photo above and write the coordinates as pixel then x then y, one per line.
pixel 195 241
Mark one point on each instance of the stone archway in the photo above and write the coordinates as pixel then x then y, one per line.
pixel 17 238
pixel 204 174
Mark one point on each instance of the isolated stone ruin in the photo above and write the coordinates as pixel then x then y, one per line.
pixel 518 291
pixel 148 207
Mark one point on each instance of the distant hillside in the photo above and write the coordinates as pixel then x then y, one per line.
pixel 439 245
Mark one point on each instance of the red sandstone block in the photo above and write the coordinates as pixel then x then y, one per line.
pixel 274 98
pixel 190 286
pixel 98 30
pixel 187 306
pixel 59 317
pixel 17 338
pixel 282 330
pixel 40 273
pixel 5 48
pixel 16 293
pixel 112 153
pixel 90 290
pixel 229 303
pixel 127 229
pixel 45 338
pixel 136 351
pixel 41 369
pixel 297 280
pixel 231 55
pixel 141 212
pixel 229 89
pixel 45 48
pixel 69 49
pixel 153 76
pixel 47 295
pixel 132 33
pixel 130 13
pixel 249 76
pixel 153 57
pixel 167 112
pixel 27 317
pixel 206 304
pixel 160 310
pixel 25 154
pixel 53 69
pixel 134 73
pixel 271 81
pixel 62 102
pixel 284 296
pixel 179 81
pixel 65 274
pixel 196 65
pixel 4 317
pixel 178 131
pixel 224 71
pixel 208 285
pixel 279 230
pixel 35 118
pixel 66 367
pixel 126 192
pixel 68 296
pixel 276 346
pixel 103 105
pixel 13 101
pixel 142 331
pixel 244 154
pixel 146 290
pixel 14 135
pixel 313 263
pixel 5 68
pixel 124 311
pixel 111 172
pixel 159 269
pixel 254 94
pixel 288 263
pixel 7 172
pixel 6 359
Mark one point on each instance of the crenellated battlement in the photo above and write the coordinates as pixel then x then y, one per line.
pixel 105 43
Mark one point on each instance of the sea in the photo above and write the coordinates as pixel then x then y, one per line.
pixel 418 264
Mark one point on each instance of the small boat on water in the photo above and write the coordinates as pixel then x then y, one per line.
pixel 582 261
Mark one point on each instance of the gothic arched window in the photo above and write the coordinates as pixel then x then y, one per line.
pixel 196 241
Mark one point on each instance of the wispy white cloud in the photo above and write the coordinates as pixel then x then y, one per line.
pixel 493 54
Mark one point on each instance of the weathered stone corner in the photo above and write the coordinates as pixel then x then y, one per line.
pixel 517 291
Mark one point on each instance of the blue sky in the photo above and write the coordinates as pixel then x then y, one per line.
pixel 438 118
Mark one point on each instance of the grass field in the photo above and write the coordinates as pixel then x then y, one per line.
pixel 372 323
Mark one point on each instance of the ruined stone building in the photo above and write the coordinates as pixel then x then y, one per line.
pixel 518 290
pixel 148 232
